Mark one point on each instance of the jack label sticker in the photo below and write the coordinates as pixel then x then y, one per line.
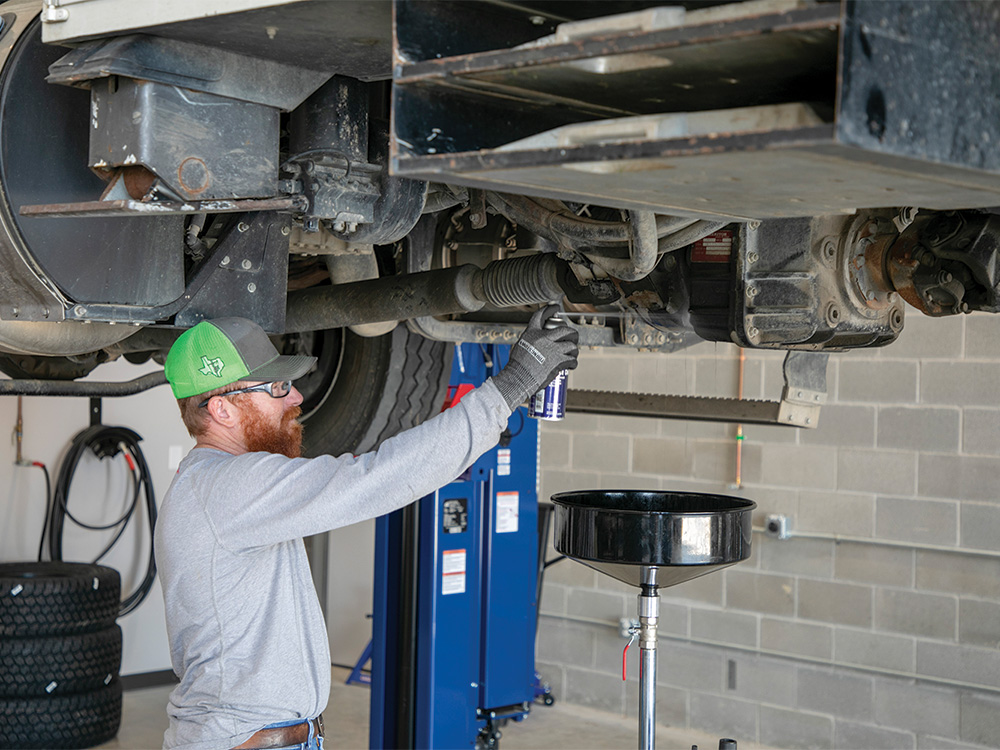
pixel 507 508
pixel 453 571
pixel 503 462
pixel 454 515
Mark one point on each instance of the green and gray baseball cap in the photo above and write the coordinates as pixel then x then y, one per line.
pixel 218 352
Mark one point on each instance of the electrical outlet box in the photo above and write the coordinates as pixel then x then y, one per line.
pixel 626 625
pixel 777 526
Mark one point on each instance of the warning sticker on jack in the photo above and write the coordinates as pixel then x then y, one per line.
pixel 503 462
pixel 507 508
pixel 453 571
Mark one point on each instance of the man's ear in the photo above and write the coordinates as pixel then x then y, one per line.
pixel 223 411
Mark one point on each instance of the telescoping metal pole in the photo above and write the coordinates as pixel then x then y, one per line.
pixel 649 615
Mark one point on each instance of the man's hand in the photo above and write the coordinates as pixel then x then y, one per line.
pixel 537 357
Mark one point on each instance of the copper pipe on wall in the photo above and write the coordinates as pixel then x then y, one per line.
pixel 739 427
pixel 18 432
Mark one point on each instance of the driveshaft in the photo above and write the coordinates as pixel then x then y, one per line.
pixel 467 288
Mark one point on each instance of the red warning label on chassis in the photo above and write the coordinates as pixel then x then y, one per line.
pixel 715 248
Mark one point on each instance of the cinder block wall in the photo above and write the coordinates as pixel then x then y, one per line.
pixel 813 642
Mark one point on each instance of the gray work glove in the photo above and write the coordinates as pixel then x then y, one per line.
pixel 537 357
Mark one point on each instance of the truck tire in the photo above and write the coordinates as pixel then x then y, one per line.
pixel 379 387
pixel 57 665
pixel 57 598
pixel 62 721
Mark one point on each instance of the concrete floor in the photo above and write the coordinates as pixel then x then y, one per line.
pixel 559 726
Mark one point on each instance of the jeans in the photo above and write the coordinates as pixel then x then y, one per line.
pixel 315 742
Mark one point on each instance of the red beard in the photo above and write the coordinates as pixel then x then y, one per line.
pixel 261 435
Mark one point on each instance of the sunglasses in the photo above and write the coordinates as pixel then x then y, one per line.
pixel 274 389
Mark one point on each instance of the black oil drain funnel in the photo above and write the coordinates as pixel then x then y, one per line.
pixel 651 540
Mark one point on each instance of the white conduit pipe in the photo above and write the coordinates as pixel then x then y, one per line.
pixel 839 538
pixel 789 657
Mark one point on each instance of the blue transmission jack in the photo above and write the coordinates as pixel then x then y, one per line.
pixel 456 586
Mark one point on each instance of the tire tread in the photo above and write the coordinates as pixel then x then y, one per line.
pixel 62 721
pixel 57 598
pixel 57 665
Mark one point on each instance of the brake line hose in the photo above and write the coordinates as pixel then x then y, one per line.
pixel 106 442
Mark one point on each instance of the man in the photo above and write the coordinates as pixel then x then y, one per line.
pixel 247 637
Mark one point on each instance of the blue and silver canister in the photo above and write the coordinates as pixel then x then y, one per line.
pixel 550 402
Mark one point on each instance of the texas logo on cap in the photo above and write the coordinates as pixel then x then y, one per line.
pixel 218 352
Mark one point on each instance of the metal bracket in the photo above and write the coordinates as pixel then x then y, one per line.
pixel 804 393
pixel 345 196
pixel 95 411
pixel 147 315
pixel 805 388
pixel 252 276
pixel 637 335
pixel 464 331
pixel 502 712
pixel 477 208
pixel 157 208
pixel 52 13
pixel 188 65
pixel 640 335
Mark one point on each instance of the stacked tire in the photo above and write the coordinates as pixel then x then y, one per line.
pixel 60 655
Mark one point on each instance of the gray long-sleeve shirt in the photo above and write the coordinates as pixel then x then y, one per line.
pixel 247 637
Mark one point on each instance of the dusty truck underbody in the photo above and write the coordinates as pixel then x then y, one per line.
pixel 773 173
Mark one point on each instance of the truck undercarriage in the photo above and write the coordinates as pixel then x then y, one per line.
pixel 778 174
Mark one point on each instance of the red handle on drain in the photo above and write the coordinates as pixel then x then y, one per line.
pixel 625 655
